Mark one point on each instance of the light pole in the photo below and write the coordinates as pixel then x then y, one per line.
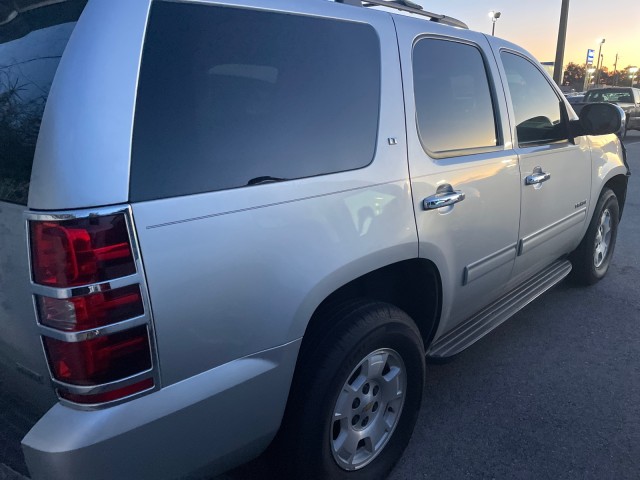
pixel 633 71
pixel 600 41
pixel 494 18
pixel 587 78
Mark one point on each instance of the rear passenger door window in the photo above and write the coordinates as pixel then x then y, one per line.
pixel 538 113
pixel 454 107
pixel 231 97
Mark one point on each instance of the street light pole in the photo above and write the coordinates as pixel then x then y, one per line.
pixel 494 18
pixel 601 41
pixel 558 65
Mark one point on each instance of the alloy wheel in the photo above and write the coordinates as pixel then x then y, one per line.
pixel 368 408
pixel 603 239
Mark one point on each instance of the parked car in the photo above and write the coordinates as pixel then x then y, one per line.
pixel 575 97
pixel 230 224
pixel 626 97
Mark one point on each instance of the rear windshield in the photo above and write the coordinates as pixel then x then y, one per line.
pixel 233 97
pixel 623 95
pixel 32 39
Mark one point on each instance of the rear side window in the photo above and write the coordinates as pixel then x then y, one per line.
pixel 454 108
pixel 231 97
pixel 621 95
pixel 31 43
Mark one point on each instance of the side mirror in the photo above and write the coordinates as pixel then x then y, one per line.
pixel 599 119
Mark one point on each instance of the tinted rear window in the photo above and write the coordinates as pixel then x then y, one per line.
pixel 32 39
pixel 229 97
pixel 622 95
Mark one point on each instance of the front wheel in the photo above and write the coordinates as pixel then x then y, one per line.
pixel 592 258
pixel 356 396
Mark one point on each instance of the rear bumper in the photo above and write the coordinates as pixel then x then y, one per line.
pixel 203 425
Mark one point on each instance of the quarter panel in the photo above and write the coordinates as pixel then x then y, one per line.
pixel 237 271
pixel 241 280
pixel 83 150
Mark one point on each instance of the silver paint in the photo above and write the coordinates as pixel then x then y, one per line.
pixel 237 271
pixel 83 150
pixel 489 179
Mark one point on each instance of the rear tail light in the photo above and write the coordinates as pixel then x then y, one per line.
pixel 80 251
pixel 90 311
pixel 90 305
pixel 100 360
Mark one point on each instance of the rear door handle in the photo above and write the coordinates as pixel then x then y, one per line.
pixel 445 196
pixel 537 177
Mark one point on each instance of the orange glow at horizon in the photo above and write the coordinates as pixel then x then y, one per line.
pixel 534 26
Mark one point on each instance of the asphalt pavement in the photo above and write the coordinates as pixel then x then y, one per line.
pixel 551 394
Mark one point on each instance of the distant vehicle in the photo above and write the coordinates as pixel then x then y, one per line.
pixel 575 97
pixel 626 98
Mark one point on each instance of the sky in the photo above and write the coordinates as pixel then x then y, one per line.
pixel 533 24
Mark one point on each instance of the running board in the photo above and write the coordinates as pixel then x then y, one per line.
pixel 483 322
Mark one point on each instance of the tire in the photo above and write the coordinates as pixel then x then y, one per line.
pixel 368 372
pixel 592 258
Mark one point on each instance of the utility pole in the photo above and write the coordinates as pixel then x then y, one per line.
pixel 615 69
pixel 600 41
pixel 558 65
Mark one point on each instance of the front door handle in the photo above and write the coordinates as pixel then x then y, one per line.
pixel 445 196
pixel 537 177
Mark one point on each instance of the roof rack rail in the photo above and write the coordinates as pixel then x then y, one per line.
pixel 407 6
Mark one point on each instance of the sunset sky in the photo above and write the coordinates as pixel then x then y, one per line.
pixel 534 26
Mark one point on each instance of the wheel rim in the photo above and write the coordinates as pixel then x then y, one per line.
pixel 368 408
pixel 603 239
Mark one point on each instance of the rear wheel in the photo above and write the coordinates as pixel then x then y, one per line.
pixel 356 396
pixel 368 408
pixel 592 258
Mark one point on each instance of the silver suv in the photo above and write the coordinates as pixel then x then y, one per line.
pixel 244 220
